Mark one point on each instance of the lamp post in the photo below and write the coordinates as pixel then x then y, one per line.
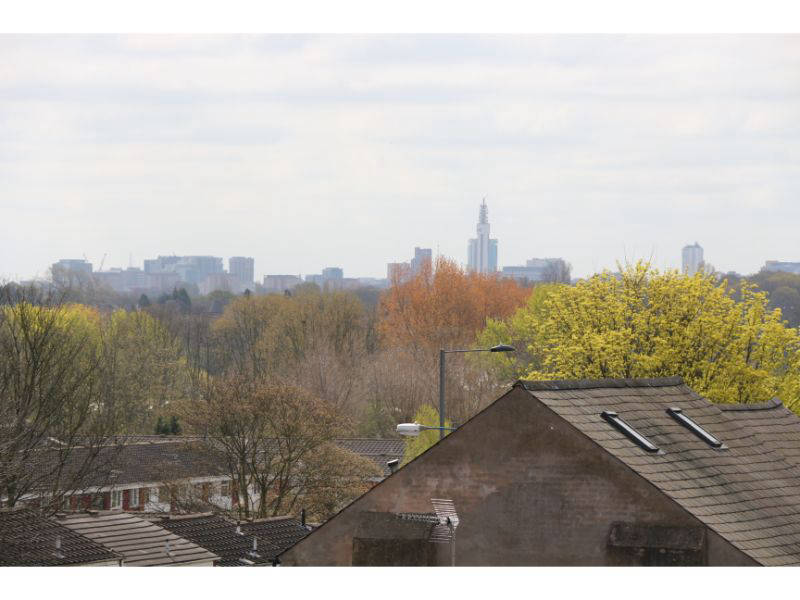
pixel 498 348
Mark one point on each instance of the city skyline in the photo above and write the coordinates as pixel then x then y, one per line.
pixel 310 151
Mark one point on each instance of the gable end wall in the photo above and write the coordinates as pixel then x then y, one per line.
pixel 529 489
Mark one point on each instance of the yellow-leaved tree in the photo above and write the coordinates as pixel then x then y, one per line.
pixel 646 323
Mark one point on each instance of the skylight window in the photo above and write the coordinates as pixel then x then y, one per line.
pixel 636 437
pixel 677 414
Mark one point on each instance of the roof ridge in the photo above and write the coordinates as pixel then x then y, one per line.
pixel 768 405
pixel 584 384
pixel 269 519
pixel 367 439
pixel 190 516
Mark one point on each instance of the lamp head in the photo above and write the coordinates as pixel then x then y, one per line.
pixel 502 348
pixel 410 429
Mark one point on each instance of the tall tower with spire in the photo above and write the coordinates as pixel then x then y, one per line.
pixel 482 250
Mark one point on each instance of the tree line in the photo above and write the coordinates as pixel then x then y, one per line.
pixel 272 380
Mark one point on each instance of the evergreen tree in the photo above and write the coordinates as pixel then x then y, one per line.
pixel 174 426
pixel 144 301
pixel 182 297
pixel 160 426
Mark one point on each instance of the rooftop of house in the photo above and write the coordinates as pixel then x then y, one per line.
pixel 28 539
pixel 380 451
pixel 736 467
pixel 153 459
pixel 233 541
pixel 141 542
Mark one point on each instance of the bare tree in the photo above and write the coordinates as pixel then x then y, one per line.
pixel 54 424
pixel 557 271
pixel 266 431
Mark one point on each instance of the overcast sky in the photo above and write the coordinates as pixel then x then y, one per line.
pixel 306 152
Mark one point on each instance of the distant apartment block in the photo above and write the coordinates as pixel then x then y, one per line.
pixel 195 269
pixel 162 264
pixel 330 273
pixel 782 267
pixel 422 257
pixel 78 265
pixel 692 259
pixel 133 280
pixel 67 270
pixel 279 284
pixel 401 271
pixel 190 269
pixel 222 282
pixel 539 270
pixel 482 250
pixel 242 268
pixel 332 278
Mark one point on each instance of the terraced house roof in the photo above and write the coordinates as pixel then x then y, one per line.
pixel 28 539
pixel 151 459
pixel 747 490
pixel 234 542
pixel 142 543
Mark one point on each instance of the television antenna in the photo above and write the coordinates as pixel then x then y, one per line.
pixel 444 532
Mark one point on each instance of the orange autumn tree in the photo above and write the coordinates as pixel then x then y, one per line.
pixel 445 307
pixel 441 307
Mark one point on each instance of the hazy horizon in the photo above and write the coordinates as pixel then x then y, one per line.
pixel 349 150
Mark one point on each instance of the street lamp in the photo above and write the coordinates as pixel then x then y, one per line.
pixel 498 348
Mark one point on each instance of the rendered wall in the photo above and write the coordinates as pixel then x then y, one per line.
pixel 529 490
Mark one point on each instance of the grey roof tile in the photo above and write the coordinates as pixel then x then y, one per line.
pixel 141 542
pixel 29 539
pixel 749 492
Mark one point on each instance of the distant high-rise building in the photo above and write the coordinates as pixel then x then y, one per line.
pixel 397 272
pixel 77 265
pixel 242 268
pixel 162 264
pixel 482 251
pixel 692 259
pixel 422 257
pixel 70 271
pixel 190 269
pixel 195 269
pixel 329 273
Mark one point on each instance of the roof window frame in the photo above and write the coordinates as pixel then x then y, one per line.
pixel 629 432
pixel 702 433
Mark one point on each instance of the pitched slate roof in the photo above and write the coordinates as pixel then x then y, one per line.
pixel 155 459
pixel 219 535
pixel 142 543
pixel 748 492
pixel 28 539
pixel 378 451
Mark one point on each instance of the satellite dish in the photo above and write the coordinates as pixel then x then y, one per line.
pixel 444 532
